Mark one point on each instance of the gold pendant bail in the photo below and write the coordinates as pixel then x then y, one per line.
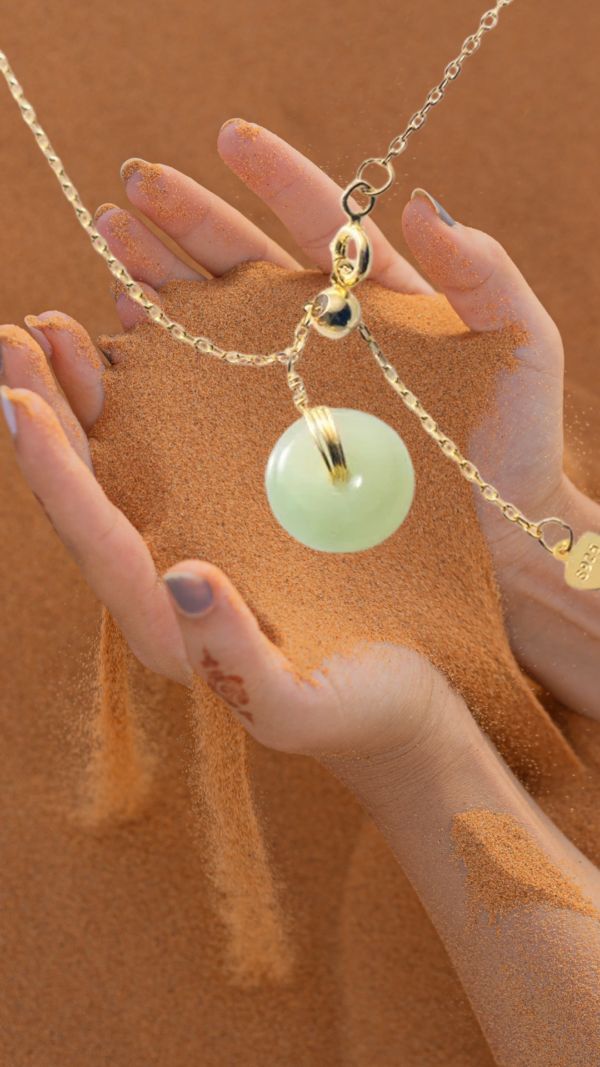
pixel 327 439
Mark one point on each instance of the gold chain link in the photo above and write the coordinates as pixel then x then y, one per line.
pixel 289 356
pixel 487 22
pixel 452 451
pixel 134 290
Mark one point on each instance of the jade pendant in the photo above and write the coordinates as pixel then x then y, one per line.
pixel 352 517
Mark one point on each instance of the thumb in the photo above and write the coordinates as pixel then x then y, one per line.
pixel 226 647
pixel 479 279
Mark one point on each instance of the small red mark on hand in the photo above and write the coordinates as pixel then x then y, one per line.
pixel 230 687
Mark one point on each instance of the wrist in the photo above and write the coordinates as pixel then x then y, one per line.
pixel 391 781
pixel 554 629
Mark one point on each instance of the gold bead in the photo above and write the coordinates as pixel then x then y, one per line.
pixel 335 312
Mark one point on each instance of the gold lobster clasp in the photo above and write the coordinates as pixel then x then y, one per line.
pixel 348 272
pixel 335 311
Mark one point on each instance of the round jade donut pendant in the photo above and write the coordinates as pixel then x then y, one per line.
pixel 341 518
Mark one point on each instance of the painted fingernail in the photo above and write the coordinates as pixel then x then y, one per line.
pixel 130 166
pixel 32 324
pixel 439 210
pixel 103 209
pixel 9 412
pixel 192 593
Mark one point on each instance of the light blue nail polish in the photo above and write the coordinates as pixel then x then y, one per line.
pixel 192 593
pixel 439 210
pixel 9 413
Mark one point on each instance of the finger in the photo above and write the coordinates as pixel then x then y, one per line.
pixel 145 256
pixel 130 313
pixel 75 361
pixel 478 278
pixel 227 648
pixel 207 228
pixel 110 552
pixel 307 201
pixel 24 366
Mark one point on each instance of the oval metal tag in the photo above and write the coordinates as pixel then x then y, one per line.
pixel 583 563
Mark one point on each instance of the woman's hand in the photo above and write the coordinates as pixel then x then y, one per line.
pixel 554 630
pixel 383 719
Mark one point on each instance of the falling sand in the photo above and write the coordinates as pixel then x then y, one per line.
pixel 121 765
pixel 246 895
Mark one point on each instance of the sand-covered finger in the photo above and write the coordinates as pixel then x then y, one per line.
pixel 129 311
pixel 307 201
pixel 146 257
pixel 25 366
pixel 478 277
pixel 226 648
pixel 75 361
pixel 109 551
pixel 206 227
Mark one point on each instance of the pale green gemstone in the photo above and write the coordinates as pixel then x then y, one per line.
pixel 351 517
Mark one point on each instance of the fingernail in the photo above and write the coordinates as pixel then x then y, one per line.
pixel 103 209
pixel 192 593
pixel 9 412
pixel 130 166
pixel 249 130
pixel 230 122
pixel 439 210
pixel 37 334
pixel 117 290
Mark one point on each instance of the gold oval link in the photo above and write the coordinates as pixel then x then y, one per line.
pixel 349 272
pixel 373 190
pixel 487 22
pixel 357 186
pixel 565 526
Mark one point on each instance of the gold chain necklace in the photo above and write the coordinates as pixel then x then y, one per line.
pixel 335 313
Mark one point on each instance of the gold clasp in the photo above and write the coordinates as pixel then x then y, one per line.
pixel 335 311
pixel 348 272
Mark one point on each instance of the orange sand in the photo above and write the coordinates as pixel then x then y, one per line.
pixel 110 952
pixel 506 870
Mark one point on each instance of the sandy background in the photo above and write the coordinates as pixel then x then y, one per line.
pixel 513 149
